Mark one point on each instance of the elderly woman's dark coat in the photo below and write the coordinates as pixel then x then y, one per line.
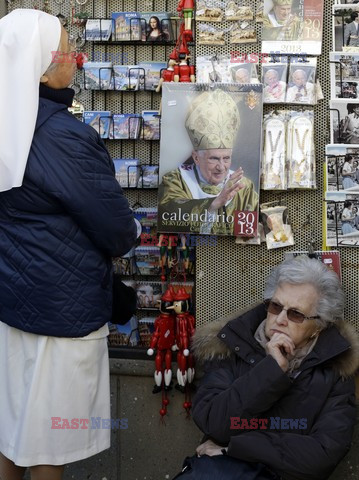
pixel 316 406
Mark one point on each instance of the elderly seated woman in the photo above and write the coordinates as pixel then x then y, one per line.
pixel 278 389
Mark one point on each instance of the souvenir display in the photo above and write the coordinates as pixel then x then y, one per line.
pixel 260 12
pixel 342 168
pixel 274 173
pixel 301 86
pixel 292 26
pixel 221 126
pixel 244 72
pixel 242 33
pixel 276 226
pixel 274 79
pixel 183 71
pixel 210 35
pixel 344 121
pixel 222 69
pixel 163 341
pixel 234 11
pixel 209 11
pixel 300 150
pixel 345 28
pixel 342 219
pixel 344 75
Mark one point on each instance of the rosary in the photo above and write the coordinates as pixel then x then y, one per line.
pixel 273 165
pixel 275 146
pixel 301 143
pixel 300 169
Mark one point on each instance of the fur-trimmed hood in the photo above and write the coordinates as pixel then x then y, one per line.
pixel 207 343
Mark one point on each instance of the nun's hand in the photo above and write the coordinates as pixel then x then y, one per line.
pixel 209 448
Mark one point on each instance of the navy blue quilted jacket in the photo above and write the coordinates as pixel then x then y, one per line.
pixel 59 230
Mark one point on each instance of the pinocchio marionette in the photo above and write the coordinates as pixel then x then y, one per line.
pixel 185 328
pixel 163 339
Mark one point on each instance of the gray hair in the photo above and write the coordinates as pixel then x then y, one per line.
pixel 53 65
pixel 302 269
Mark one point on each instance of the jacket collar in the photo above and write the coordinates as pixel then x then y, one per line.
pixel 337 344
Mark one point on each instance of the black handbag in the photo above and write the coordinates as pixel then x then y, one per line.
pixel 124 301
pixel 223 467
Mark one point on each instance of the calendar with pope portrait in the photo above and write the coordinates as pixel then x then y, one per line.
pixel 210 155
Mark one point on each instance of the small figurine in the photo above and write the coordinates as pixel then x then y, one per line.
pixel 183 72
pixel 185 328
pixel 168 73
pixel 163 339
pixel 186 7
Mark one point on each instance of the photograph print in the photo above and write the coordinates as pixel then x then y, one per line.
pixel 344 121
pixel 342 220
pixel 342 168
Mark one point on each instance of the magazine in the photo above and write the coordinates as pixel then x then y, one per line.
pixel 97 75
pixel 99 120
pixel 126 26
pixel 207 192
pixel 293 28
pixel 156 27
pixel 98 29
pixel 151 71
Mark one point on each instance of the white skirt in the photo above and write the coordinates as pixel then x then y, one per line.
pixel 47 385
